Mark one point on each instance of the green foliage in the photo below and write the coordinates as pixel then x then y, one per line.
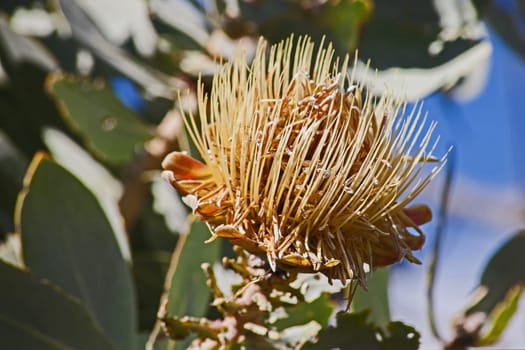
pixel 375 299
pixel 186 294
pixel 318 310
pixel 24 106
pixel 412 26
pixel 501 315
pixel 110 130
pixel 339 22
pixel 500 273
pixel 80 292
pixel 38 315
pixel 67 239
pixel 12 169
pixel 353 331
pixel 496 298
pixel 257 309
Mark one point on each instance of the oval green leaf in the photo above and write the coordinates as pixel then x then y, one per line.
pixel 188 293
pixel 501 315
pixel 375 298
pixel 67 239
pixel 502 272
pixel 109 129
pixel 37 315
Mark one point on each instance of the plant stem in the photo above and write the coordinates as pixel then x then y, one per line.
pixel 434 258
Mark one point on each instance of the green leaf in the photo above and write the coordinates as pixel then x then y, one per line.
pixel 10 250
pixel 149 271
pixel 425 51
pixel 319 310
pixel 401 336
pixel 354 332
pixel 375 298
pixel 501 315
pixel 110 130
pixel 295 337
pixel 502 273
pixel 495 300
pixel 188 293
pixel 88 35
pixel 106 188
pixel 343 20
pixel 36 315
pixel 400 33
pixel 24 108
pixel 67 239
pixel 21 49
pixel 161 344
pixel 339 22
pixel 12 169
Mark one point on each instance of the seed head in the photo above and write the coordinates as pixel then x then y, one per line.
pixel 301 168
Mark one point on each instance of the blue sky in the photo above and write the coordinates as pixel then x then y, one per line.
pixel 488 133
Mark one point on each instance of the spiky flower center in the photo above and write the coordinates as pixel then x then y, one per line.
pixel 304 170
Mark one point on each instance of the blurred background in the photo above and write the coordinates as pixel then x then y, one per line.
pixel 95 85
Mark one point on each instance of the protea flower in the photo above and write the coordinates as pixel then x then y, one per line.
pixel 300 168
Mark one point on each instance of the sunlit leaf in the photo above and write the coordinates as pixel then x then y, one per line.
pixel 117 28
pixel 94 176
pixel 319 310
pixel 36 315
pixel 405 29
pixel 501 273
pixel 149 271
pixel 161 344
pixel 85 32
pixel 344 20
pixel 416 83
pixel 24 50
pixel 297 336
pixel 183 16
pixel 152 245
pixel 10 250
pixel 339 22
pixel 495 300
pixel 188 294
pixel 420 47
pixel 24 108
pixel 501 315
pixel 375 298
pixel 166 202
pixel 110 130
pixel 67 239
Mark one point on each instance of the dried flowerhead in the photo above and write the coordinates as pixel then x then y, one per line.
pixel 299 167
